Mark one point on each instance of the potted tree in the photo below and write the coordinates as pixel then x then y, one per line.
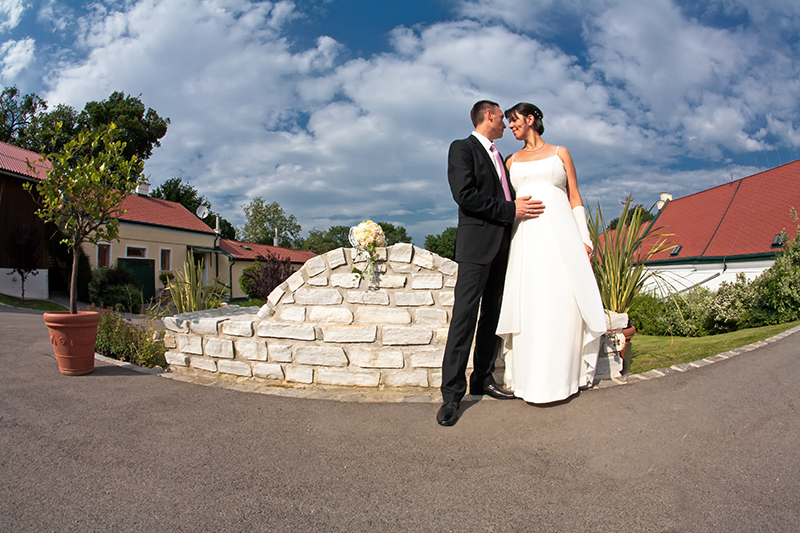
pixel 618 263
pixel 85 185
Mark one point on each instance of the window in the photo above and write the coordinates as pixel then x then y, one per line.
pixel 103 255
pixel 166 259
pixel 675 251
pixel 136 251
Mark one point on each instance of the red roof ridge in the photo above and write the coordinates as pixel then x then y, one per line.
pixel 15 159
pixel 249 251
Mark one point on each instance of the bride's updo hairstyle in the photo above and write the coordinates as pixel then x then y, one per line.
pixel 525 109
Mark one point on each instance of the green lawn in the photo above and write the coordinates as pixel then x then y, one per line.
pixel 651 352
pixel 38 305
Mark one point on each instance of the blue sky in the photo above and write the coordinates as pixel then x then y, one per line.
pixel 343 110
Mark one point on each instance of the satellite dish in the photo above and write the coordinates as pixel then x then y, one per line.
pixel 202 212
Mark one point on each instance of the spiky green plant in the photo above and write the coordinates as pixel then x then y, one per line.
pixel 187 290
pixel 620 256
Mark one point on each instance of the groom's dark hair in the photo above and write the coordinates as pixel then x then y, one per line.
pixel 479 110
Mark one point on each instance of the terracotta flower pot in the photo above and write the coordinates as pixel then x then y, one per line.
pixel 629 332
pixel 73 338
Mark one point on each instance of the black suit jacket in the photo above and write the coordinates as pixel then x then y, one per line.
pixel 484 215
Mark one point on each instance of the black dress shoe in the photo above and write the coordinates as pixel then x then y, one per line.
pixel 448 414
pixel 494 390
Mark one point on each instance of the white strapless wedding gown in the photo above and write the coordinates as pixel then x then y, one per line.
pixel 552 315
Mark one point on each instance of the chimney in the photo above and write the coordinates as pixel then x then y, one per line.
pixel 143 189
pixel 217 230
pixel 275 240
pixel 665 197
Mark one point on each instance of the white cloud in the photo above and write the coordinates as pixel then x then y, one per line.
pixel 11 12
pixel 253 113
pixel 15 56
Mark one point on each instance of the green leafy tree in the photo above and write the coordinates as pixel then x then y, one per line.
pixel 645 215
pixel 267 272
pixel 175 190
pixel 139 128
pixel 83 191
pixel 17 115
pixel 443 244
pixel 394 234
pixel 261 221
pixel 334 237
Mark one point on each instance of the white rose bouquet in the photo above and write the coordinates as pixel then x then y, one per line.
pixel 367 236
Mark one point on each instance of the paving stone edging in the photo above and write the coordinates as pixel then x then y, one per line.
pixel 417 395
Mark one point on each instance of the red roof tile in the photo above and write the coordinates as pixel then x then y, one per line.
pixel 238 250
pixel 158 212
pixel 14 159
pixel 735 219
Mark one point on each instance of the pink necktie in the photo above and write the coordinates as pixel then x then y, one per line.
pixel 502 170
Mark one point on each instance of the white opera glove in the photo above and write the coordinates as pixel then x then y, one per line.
pixel 580 218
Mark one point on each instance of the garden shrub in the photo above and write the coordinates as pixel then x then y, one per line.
pixel 125 340
pixel 688 315
pixel 645 312
pixel 733 305
pixel 113 287
pixel 267 272
pixel 778 288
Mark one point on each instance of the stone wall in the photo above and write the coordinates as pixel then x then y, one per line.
pixel 319 327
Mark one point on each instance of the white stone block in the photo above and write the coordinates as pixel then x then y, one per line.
pixel 391 282
pixel 427 281
pixel 238 328
pixel 368 297
pixel 280 353
pixel 393 335
pixel 237 368
pixel 208 365
pixel 252 350
pixel 349 333
pixel 348 377
pixel 448 267
pixel 405 378
pixel 293 313
pixel 296 281
pixel 450 283
pixel 275 296
pixel 375 357
pixel 431 317
pixel 286 331
pixel 401 252
pixel 176 324
pixel 320 355
pixel 218 348
pixel 423 258
pixel 267 371
pixel 299 373
pixel 426 357
pixel 318 282
pixel 348 280
pixel 441 335
pixel 315 265
pixel 191 344
pixel 313 296
pixel 404 268
pixel 266 311
pixel 330 315
pixel 382 315
pixel 336 258
pixel 177 358
pixel 435 379
pixel 206 325
pixel 413 299
pixel 447 298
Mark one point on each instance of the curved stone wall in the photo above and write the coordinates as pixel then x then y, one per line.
pixel 319 328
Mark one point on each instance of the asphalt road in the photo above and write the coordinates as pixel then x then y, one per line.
pixel 712 449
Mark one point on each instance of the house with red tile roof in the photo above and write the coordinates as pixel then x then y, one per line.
pixel 17 211
pixel 729 229
pixel 240 255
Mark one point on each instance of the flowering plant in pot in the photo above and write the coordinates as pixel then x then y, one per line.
pixel 82 193
pixel 619 262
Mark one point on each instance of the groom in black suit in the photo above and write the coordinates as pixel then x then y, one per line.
pixel 486 212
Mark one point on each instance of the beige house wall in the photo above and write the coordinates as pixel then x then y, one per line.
pixel 153 240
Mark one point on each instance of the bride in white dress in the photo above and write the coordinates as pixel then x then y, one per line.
pixel 552 315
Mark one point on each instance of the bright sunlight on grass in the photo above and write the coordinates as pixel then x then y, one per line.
pixel 651 352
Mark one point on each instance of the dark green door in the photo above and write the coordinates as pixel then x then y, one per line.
pixel 145 272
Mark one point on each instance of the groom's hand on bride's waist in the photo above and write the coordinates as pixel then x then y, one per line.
pixel 527 208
